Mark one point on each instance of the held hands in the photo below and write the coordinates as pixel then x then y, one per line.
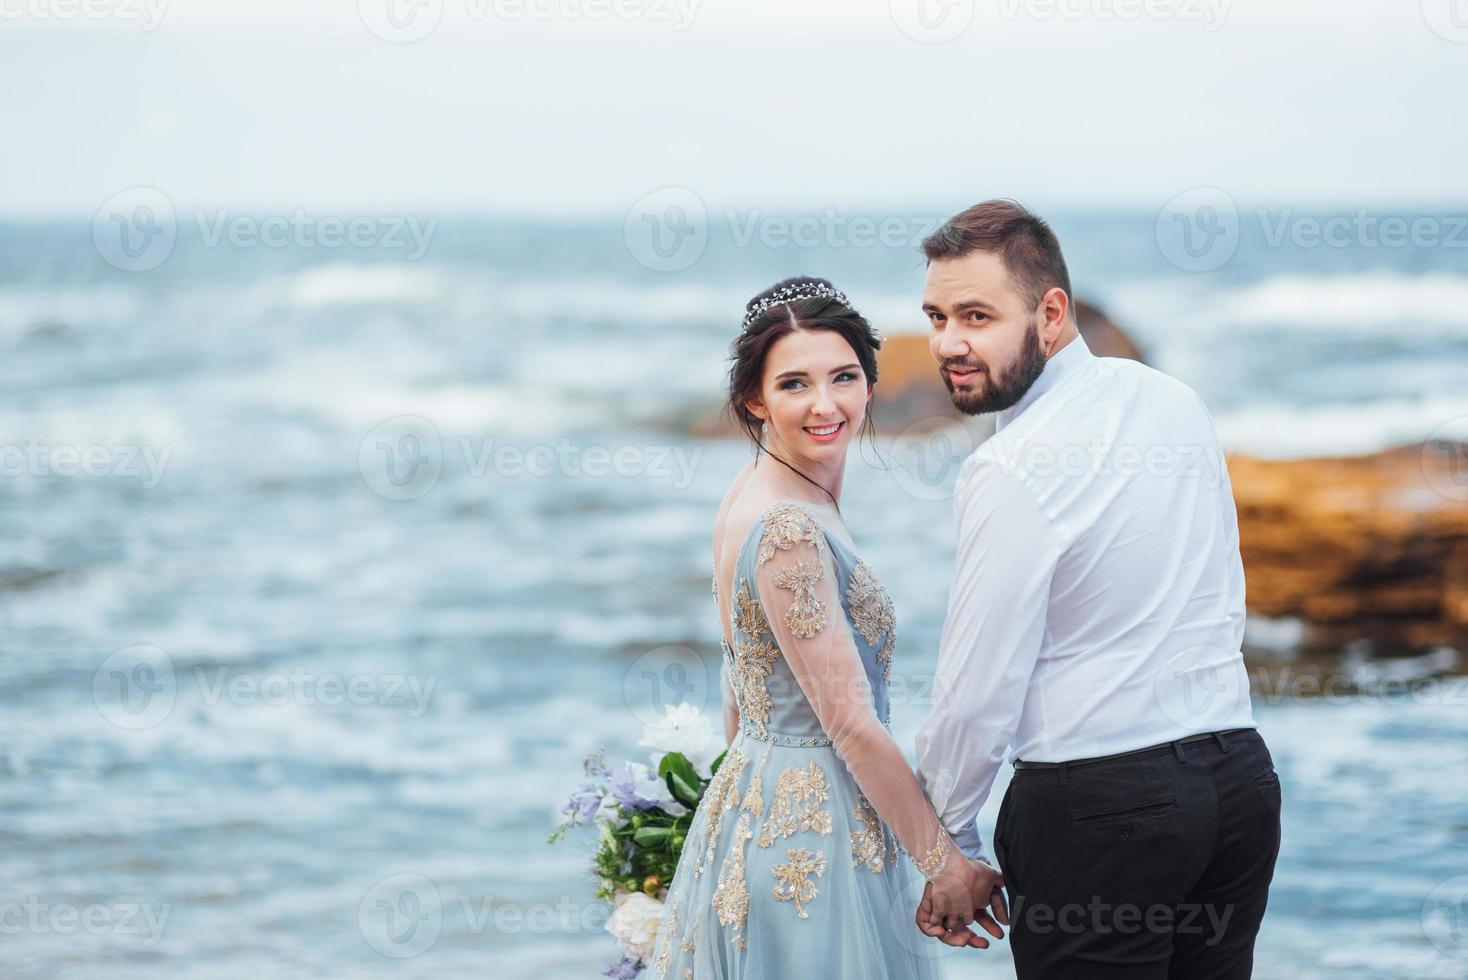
pixel 965 891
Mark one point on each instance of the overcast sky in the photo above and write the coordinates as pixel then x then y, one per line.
pixel 559 106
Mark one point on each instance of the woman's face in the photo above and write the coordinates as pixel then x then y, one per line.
pixel 814 395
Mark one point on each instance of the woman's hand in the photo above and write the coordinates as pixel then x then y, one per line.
pixel 964 891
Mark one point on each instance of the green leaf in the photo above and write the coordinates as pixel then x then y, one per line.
pixel 713 769
pixel 682 778
pixel 685 794
pixel 652 836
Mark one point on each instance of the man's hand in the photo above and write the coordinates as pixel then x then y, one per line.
pixel 965 892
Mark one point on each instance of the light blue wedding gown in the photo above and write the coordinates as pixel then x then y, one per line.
pixel 788 873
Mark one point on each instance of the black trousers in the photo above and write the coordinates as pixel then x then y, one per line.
pixel 1151 864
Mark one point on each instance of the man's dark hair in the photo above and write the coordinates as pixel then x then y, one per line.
pixel 1030 250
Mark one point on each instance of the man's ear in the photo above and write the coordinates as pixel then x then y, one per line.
pixel 1055 311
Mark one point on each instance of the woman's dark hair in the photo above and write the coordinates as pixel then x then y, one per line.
pixel 751 349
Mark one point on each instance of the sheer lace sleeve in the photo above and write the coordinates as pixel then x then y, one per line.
pixel 797 585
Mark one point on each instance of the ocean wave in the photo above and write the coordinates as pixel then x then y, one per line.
pixel 1431 305
pixel 1290 431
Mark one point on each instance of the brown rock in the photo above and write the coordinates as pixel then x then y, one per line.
pixel 1368 548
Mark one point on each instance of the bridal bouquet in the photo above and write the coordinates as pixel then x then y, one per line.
pixel 642 814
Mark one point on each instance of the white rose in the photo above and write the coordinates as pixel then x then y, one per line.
pixel 687 730
pixel 635 924
pixel 654 788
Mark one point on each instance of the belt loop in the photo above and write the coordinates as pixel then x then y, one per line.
pixel 1177 748
pixel 1222 745
pixel 1061 773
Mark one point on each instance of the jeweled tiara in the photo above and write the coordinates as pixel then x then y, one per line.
pixel 788 294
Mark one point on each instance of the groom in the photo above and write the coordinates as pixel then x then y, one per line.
pixel 1093 630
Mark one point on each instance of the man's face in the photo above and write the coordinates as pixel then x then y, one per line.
pixel 982 332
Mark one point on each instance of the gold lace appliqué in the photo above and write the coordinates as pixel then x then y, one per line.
pixel 753 659
pixel 666 933
pixel 731 897
pixel 807 614
pixel 868 845
pixel 722 794
pixel 787 525
pixel 872 614
pixel 932 863
pixel 799 795
pixel 794 878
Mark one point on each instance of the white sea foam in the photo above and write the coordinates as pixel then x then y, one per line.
pixel 1284 431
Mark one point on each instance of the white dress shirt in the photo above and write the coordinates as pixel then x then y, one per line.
pixel 1098 595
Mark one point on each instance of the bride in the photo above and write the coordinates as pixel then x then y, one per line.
pixel 792 867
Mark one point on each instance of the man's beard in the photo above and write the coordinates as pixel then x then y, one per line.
pixel 996 394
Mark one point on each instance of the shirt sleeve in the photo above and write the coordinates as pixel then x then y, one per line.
pixel 797 588
pixel 1007 553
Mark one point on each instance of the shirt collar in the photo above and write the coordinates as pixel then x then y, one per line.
pixel 1071 359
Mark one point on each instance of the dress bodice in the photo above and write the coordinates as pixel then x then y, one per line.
pixel 772 706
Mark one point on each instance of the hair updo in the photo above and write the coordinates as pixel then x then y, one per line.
pixel 751 349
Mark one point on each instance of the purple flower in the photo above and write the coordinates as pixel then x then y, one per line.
pixel 624 781
pixel 624 969
pixel 596 764
pixel 583 804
